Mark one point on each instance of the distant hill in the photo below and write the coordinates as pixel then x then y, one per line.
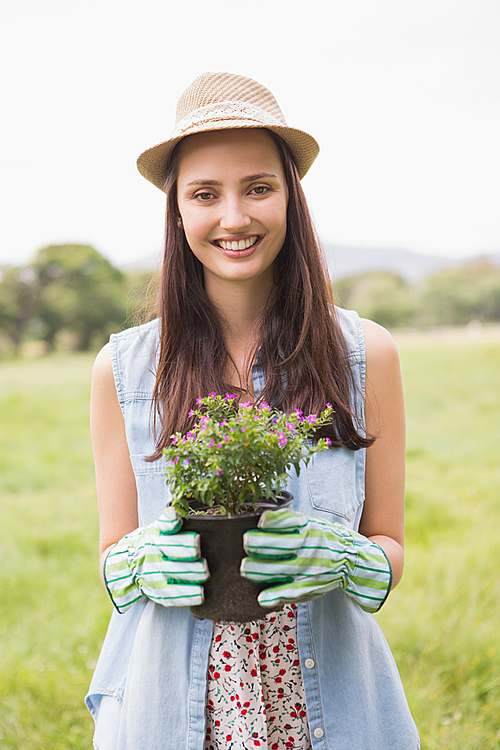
pixel 348 261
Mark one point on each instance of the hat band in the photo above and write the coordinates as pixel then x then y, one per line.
pixel 225 111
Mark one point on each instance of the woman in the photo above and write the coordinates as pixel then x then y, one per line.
pixel 245 303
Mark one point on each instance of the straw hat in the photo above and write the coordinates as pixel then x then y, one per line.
pixel 221 101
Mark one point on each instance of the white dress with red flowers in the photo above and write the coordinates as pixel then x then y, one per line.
pixel 255 697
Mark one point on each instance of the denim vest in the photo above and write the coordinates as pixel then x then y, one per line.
pixel 149 687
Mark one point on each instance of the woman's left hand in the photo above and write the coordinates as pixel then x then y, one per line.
pixel 304 557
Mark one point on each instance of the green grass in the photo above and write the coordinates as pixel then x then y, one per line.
pixel 441 622
pixel 53 610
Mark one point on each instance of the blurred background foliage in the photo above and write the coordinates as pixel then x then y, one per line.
pixel 70 297
pixel 451 296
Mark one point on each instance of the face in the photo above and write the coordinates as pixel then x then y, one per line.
pixel 232 198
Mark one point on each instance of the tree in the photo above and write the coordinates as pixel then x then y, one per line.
pixel 79 291
pixel 382 296
pixel 455 296
pixel 18 300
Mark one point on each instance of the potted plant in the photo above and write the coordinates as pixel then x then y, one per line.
pixel 228 469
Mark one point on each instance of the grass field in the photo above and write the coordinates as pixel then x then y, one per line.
pixel 441 622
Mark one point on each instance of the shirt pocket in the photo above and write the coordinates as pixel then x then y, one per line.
pixel 331 478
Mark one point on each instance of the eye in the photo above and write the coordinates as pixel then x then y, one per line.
pixel 260 190
pixel 204 196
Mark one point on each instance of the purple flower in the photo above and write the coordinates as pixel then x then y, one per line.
pixel 282 441
pixel 329 406
pixel 311 418
pixel 211 444
pixel 300 414
pixel 199 401
pixel 191 413
pixel 328 441
pixel 219 445
pixel 290 426
pixel 219 472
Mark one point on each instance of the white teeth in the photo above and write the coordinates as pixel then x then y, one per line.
pixel 241 245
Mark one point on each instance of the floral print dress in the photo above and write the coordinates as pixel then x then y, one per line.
pixel 255 697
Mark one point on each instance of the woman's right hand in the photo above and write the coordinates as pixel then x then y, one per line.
pixel 157 561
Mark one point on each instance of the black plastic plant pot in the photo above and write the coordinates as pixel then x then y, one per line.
pixel 228 596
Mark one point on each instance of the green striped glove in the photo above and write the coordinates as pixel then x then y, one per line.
pixel 159 563
pixel 304 557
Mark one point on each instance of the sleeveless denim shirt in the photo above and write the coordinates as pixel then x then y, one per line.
pixel 148 691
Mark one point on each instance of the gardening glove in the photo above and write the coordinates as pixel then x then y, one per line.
pixel 158 562
pixel 304 557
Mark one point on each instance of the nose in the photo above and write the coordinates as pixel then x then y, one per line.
pixel 234 215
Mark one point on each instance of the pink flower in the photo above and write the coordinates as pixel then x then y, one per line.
pixel 219 472
pixel 282 441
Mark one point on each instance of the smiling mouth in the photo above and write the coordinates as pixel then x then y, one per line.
pixel 237 245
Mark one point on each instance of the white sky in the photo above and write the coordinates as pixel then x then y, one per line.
pixel 402 95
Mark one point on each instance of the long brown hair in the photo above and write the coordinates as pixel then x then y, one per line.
pixel 301 347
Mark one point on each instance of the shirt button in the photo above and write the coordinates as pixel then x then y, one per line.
pixel 318 733
pixel 309 663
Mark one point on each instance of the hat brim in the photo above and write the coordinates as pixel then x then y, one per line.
pixel 152 163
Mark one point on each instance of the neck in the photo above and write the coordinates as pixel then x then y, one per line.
pixel 241 305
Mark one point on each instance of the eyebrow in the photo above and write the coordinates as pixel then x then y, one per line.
pixel 249 178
